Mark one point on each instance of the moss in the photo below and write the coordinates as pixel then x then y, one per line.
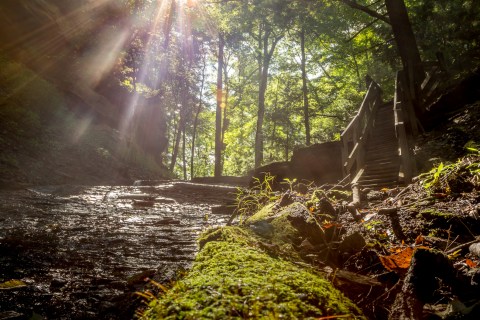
pixel 339 194
pixel 227 234
pixel 432 213
pixel 266 212
pixel 234 280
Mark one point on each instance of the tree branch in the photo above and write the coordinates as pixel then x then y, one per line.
pixel 355 5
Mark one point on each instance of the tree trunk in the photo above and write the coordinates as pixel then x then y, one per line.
pixel 195 121
pixel 267 55
pixel 184 156
pixel 305 89
pixel 406 44
pixel 178 136
pixel 218 113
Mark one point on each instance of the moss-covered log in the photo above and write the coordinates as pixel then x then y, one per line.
pixel 233 277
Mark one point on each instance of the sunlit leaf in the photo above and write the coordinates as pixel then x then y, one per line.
pixel 12 284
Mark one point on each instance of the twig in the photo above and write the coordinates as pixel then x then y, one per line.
pixel 459 247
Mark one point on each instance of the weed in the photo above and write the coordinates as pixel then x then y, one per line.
pixel 249 201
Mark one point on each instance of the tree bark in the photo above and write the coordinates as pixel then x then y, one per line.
pixel 184 156
pixel 355 5
pixel 304 88
pixel 178 136
pixel 218 113
pixel 267 56
pixel 406 43
pixel 195 121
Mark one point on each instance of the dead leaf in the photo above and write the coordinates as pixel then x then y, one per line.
pixel 419 239
pixel 12 284
pixel 328 225
pixel 471 263
pixel 398 261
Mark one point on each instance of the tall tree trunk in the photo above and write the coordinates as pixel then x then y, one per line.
pixel 267 56
pixel 195 121
pixel 406 43
pixel 184 157
pixel 178 136
pixel 226 121
pixel 218 113
pixel 305 89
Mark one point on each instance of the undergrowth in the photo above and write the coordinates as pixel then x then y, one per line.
pixel 461 176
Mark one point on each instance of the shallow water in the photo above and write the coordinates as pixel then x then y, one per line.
pixel 75 247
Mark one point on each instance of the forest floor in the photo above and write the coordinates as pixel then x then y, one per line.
pixel 411 252
pixel 421 242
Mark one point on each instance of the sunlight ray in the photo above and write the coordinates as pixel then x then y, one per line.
pixel 102 60
pixel 158 24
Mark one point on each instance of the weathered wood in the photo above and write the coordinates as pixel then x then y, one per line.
pixel 355 136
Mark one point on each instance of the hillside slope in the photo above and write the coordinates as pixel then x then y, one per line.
pixel 46 138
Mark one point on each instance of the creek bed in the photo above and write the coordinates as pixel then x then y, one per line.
pixel 78 248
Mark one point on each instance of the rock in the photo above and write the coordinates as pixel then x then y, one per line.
pixel 475 249
pixel 301 220
pixel 352 243
pixel 262 228
pixel 325 207
pixel 139 279
pixel 286 199
pixel 301 188
pixel 421 283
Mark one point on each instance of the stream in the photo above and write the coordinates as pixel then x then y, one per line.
pixel 82 251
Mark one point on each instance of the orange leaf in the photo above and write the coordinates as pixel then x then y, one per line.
pixel 330 224
pixel 398 261
pixel 419 239
pixel 471 263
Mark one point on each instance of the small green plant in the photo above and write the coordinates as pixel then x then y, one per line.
pixel 250 200
pixel 289 182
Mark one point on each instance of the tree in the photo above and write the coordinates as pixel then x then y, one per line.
pixel 220 106
pixel 406 43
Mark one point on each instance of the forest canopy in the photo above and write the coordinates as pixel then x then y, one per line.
pixel 234 84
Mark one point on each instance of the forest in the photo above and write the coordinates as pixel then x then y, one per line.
pixel 253 159
pixel 221 87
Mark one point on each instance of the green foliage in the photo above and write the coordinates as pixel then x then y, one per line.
pixel 461 176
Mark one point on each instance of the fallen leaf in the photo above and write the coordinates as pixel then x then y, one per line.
pixel 330 225
pixel 471 263
pixel 12 284
pixel 398 261
pixel 419 239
